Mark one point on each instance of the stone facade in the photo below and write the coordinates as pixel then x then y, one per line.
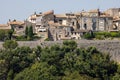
pixel 113 12
pixel 18 27
pixel 5 27
pixel 73 25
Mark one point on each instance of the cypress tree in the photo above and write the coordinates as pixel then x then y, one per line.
pixel 26 31
pixel 30 32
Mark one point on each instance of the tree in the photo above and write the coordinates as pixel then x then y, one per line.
pixel 117 74
pixel 10 75
pixel 26 31
pixel 38 71
pixel 89 35
pixel 14 61
pixel 9 34
pixel 6 34
pixel 67 62
pixel 2 35
pixel 30 33
pixel 70 44
pixel 10 44
pixel 3 69
pixel 76 76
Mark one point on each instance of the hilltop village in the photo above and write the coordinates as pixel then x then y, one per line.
pixel 48 25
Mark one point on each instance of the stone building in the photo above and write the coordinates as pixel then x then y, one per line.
pixel 116 25
pixel 58 31
pixel 18 27
pixel 76 34
pixel 88 20
pixel 32 18
pixel 41 28
pixel 74 25
pixel 68 19
pixel 94 20
pixel 5 27
pixel 113 12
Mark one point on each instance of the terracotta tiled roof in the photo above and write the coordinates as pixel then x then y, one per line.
pixel 33 17
pixel 5 26
pixel 72 17
pixel 14 22
pixel 37 15
pixel 95 10
pixel 104 14
pixel 117 19
pixel 61 15
pixel 48 12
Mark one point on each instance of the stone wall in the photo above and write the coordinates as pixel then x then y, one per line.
pixel 111 47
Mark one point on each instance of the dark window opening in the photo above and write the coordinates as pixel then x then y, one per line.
pixel 85 26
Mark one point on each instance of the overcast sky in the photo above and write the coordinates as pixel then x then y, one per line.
pixel 21 9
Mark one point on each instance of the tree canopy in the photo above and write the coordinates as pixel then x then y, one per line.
pixel 10 44
pixel 66 62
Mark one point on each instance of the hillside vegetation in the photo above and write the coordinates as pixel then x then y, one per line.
pixel 66 62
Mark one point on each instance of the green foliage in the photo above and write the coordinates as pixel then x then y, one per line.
pixel 76 76
pixel 6 34
pixel 70 44
pixel 47 39
pixel 103 35
pixel 2 35
pixel 88 35
pixel 116 77
pixel 10 75
pixel 16 60
pixel 100 37
pixel 10 44
pixel 21 38
pixel 115 34
pixel 39 71
pixel 66 62
pixel 117 74
pixel 24 38
pixel 26 31
pixel 3 69
pixel 30 33
pixel 9 34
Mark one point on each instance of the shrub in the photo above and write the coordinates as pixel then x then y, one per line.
pixel 103 35
pixel 21 38
pixel 10 44
pixel 114 34
pixel 100 37
pixel 88 35
pixel 47 39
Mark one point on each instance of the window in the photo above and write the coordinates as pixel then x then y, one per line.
pixel 85 26
pixel 20 27
pixel 73 23
pixel 59 36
